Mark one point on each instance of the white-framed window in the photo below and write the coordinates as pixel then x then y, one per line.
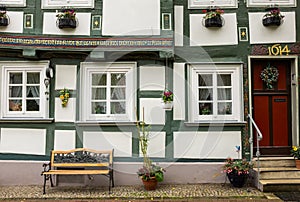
pixel 265 3
pixel 196 4
pixel 215 92
pixel 23 90
pixel 108 91
pixel 13 3
pixel 50 4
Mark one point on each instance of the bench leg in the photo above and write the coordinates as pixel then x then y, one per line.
pixel 51 182
pixel 44 189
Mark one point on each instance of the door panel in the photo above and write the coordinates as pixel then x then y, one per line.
pixel 272 108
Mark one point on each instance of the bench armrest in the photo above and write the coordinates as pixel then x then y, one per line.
pixel 46 167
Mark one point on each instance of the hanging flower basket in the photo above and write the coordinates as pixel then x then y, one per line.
pixel 213 18
pixel 4 19
pixel 66 18
pixel 269 75
pixel 167 100
pixel 273 17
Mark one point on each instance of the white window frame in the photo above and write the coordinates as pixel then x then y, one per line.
pixel 52 4
pixel 9 66
pixel 265 3
pixel 13 3
pixel 236 75
pixel 87 68
pixel 196 4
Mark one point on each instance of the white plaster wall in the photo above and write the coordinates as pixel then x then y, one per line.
pixel 64 139
pixel 23 141
pixel 65 77
pixel 152 78
pixel 121 142
pixel 202 36
pixel 16 22
pixel 131 17
pixel 179 91
pixel 151 111
pixel 206 145
pixel 178 25
pixel 285 33
pixel 65 114
pixel 83 28
pixel 156 146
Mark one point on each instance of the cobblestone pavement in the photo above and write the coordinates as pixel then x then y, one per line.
pixel 178 193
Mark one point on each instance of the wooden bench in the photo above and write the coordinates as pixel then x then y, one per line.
pixel 80 161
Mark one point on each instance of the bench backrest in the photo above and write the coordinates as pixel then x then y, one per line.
pixel 81 157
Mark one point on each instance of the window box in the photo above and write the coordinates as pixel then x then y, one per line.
pixel 214 22
pixel 213 18
pixel 66 23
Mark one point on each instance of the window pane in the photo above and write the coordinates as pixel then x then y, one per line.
pixel 205 94
pixel 205 108
pixel 118 79
pixel 205 80
pixel 224 94
pixel 15 78
pixel 15 91
pixel 33 91
pixel 225 108
pixel 33 105
pixel 99 93
pixel 118 93
pixel 15 105
pixel 118 108
pixel 224 79
pixel 98 108
pixel 99 79
pixel 33 78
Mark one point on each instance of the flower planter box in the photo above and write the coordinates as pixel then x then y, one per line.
pixel 272 21
pixel 66 23
pixel 3 21
pixel 214 21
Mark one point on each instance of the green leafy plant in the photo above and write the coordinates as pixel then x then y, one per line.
pixel 64 96
pixel 167 96
pixel 274 12
pixel 240 166
pixel 66 12
pixel 269 75
pixel 149 170
pixel 3 12
pixel 295 152
pixel 210 13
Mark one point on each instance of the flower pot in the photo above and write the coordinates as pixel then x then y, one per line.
pixel 215 21
pixel 66 23
pixel 3 21
pixel 237 180
pixel 272 21
pixel 297 161
pixel 167 105
pixel 150 184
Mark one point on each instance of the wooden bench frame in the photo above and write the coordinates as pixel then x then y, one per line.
pixel 64 162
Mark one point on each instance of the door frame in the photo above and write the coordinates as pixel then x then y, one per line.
pixel 294 95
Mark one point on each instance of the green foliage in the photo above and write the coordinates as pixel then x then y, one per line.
pixel 295 152
pixel 241 166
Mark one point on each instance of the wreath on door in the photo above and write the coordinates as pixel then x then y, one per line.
pixel 269 75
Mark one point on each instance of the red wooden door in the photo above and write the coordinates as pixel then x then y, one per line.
pixel 271 107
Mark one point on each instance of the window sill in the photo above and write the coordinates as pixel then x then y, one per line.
pixel 26 120
pixel 105 123
pixel 217 124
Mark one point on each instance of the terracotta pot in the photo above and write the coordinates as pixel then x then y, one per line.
pixel 150 184
pixel 297 161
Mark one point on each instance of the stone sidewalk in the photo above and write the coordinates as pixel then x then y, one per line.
pixel 187 192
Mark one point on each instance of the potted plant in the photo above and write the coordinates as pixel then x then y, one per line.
pixel 237 171
pixel 273 17
pixel 64 96
pixel 150 174
pixel 213 17
pixel 3 16
pixel 66 18
pixel 295 152
pixel 167 98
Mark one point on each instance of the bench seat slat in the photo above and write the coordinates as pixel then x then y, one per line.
pixel 80 164
pixel 76 172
